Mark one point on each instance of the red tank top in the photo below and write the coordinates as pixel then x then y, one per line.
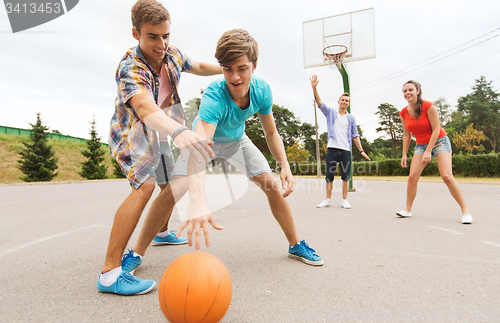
pixel 421 127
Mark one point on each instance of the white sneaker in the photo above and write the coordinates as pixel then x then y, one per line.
pixel 467 219
pixel 404 214
pixel 325 203
pixel 346 204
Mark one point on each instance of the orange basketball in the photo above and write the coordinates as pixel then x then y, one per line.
pixel 196 287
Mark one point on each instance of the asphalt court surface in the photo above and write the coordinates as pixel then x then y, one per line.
pixel 378 267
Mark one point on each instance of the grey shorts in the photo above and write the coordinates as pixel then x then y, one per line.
pixel 442 145
pixel 243 154
pixel 163 173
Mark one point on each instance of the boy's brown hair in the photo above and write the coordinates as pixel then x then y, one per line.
pixel 233 45
pixel 345 94
pixel 148 11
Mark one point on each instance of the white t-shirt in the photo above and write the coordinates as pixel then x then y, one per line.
pixel 340 128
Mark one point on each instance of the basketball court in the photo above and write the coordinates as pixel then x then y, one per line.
pixel 53 241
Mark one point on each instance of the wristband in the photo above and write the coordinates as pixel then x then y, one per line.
pixel 178 131
pixel 362 151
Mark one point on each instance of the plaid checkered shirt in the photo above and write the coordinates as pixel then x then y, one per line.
pixel 134 145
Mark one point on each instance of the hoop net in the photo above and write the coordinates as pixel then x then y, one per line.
pixel 335 54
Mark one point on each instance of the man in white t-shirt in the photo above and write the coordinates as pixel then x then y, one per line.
pixel 342 129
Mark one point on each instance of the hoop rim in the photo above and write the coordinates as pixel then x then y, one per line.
pixel 342 53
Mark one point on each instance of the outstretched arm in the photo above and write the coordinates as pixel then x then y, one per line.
pixel 314 83
pixel 277 149
pixel 199 214
pixel 204 69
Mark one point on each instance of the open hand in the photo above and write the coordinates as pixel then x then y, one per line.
pixel 198 218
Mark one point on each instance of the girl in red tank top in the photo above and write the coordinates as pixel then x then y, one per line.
pixel 421 119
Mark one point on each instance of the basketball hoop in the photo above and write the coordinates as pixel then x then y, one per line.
pixel 335 54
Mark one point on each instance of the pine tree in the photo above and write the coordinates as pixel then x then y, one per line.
pixel 117 171
pixel 37 160
pixel 92 168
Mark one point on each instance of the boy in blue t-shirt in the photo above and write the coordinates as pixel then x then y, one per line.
pixel 225 106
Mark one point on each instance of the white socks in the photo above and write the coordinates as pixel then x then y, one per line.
pixel 162 235
pixel 107 279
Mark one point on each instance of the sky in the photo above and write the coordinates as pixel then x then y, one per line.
pixel 65 68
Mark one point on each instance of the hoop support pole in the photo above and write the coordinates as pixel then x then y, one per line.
pixel 345 79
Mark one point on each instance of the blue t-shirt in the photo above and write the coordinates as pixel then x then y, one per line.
pixel 218 108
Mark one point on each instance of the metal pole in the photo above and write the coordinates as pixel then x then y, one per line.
pixel 345 78
pixel 318 156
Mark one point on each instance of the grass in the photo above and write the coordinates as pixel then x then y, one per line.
pixel 68 153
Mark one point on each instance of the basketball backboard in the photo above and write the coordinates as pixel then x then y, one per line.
pixel 355 30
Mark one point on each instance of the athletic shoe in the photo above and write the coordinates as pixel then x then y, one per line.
pixel 126 284
pixel 404 214
pixel 325 203
pixel 301 251
pixel 467 219
pixel 169 239
pixel 346 204
pixel 130 263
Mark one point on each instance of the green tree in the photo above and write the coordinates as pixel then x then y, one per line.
pixel 469 140
pixel 37 161
pixel 382 147
pixel 191 109
pixel 390 124
pixel 443 108
pixel 482 108
pixel 117 171
pixel 287 124
pixel 367 147
pixel 93 167
pixel 297 153
pixel 308 134
pixel 323 144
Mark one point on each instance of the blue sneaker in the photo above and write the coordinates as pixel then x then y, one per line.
pixel 169 239
pixel 130 263
pixel 301 251
pixel 126 284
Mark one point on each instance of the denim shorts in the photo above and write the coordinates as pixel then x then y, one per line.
pixel 336 156
pixel 442 145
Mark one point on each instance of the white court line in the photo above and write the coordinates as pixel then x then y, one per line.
pixel 447 230
pixel 492 243
pixel 49 238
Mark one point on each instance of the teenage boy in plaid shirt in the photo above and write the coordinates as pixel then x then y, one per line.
pixel 147 105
